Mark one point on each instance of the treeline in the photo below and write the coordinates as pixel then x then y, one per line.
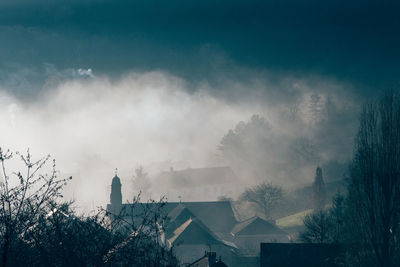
pixel 366 221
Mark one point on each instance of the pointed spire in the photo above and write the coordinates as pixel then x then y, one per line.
pixel 116 195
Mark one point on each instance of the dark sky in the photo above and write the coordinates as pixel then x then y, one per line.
pixel 352 41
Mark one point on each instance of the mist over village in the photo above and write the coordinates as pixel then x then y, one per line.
pixel 212 133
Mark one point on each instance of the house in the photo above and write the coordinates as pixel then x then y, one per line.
pixel 250 233
pixel 191 228
pixel 208 260
pixel 216 215
pixel 300 254
pixel 192 238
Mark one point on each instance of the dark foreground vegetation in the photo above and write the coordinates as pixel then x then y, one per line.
pixel 38 229
pixel 367 219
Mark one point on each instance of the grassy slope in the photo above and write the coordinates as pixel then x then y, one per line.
pixel 293 220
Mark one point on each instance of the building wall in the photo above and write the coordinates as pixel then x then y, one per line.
pixel 300 254
pixel 190 253
pixel 251 244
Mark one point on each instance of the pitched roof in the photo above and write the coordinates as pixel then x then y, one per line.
pixel 194 232
pixel 256 226
pixel 179 215
pixel 216 215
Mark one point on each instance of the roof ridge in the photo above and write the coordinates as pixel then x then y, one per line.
pixel 178 231
pixel 243 224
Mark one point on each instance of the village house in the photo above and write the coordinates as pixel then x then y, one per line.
pixel 194 227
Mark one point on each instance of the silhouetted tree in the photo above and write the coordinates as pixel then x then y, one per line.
pixel 315 107
pixel 24 197
pixel 337 214
pixel 325 226
pixel 141 227
pixel 303 151
pixel 374 186
pixel 318 190
pixel 37 229
pixel 318 228
pixel 62 238
pixel 245 147
pixel 294 112
pixel 265 196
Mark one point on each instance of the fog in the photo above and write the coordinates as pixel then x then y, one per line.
pixel 93 124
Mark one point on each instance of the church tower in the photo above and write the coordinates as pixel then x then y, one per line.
pixel 116 195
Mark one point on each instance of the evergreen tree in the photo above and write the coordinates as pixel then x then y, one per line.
pixel 319 191
pixel 373 197
pixel 315 108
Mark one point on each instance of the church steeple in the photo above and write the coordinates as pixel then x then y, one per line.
pixel 116 195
